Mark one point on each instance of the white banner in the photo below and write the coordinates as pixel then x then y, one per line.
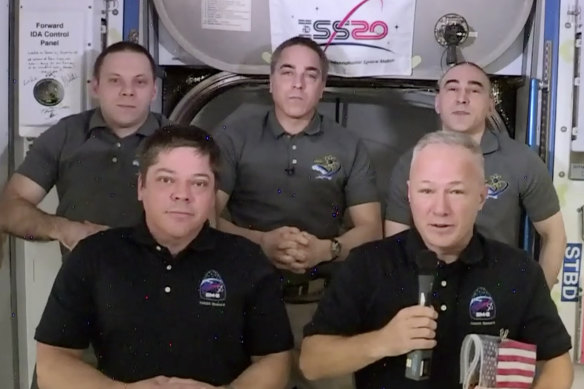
pixel 360 37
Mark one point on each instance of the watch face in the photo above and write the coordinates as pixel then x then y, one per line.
pixel 336 247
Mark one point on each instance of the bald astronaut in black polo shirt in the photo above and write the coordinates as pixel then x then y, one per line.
pixel 369 327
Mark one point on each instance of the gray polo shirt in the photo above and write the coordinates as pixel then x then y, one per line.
pixel 516 178
pixel 95 171
pixel 305 181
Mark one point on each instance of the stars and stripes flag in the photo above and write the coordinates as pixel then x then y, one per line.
pixel 515 365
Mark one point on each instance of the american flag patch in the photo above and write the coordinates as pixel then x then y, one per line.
pixel 515 365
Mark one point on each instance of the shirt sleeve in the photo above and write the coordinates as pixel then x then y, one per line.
pixel 542 325
pixel 67 320
pixel 397 206
pixel 267 329
pixel 229 157
pixel 361 185
pixel 538 195
pixel 344 303
pixel 41 163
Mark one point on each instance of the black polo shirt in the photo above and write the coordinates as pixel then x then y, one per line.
pixel 200 315
pixel 491 287
pixel 94 170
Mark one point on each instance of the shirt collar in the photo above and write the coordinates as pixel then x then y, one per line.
pixel 489 142
pixel 204 241
pixel 473 253
pixel 313 128
pixel 150 125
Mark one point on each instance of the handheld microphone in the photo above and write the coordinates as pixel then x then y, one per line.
pixel 418 362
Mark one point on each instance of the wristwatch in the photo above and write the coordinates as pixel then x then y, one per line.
pixel 336 248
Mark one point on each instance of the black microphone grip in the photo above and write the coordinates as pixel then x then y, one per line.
pixel 419 362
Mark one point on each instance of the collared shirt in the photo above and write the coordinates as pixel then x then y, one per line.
pixel 517 180
pixel 492 286
pixel 202 314
pixel 307 180
pixel 94 170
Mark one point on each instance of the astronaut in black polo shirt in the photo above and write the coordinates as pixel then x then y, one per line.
pixel 369 319
pixel 170 302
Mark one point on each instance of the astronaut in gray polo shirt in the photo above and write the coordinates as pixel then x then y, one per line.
pixel 90 157
pixel 516 177
pixel 289 176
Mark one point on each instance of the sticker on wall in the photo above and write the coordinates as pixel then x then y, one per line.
pixel 571 272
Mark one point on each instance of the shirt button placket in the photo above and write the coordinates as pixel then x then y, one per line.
pixel 167 289
pixel 292 155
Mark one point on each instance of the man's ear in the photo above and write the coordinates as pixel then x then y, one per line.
pixel 94 87
pixel 436 109
pixel 483 196
pixel 491 106
pixel 140 186
pixel 154 91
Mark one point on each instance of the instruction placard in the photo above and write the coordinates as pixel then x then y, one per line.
pixel 51 69
pixel 227 15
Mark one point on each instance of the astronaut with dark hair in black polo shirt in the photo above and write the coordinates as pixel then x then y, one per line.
pixel 369 319
pixel 171 302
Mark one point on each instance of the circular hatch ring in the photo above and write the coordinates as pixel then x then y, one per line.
pixel 194 100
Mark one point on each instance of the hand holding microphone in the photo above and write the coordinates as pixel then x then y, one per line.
pixel 414 328
pixel 418 362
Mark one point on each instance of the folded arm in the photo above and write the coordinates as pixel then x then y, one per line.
pixel 266 372
pixel 553 245
pixel 556 373
pixel 63 368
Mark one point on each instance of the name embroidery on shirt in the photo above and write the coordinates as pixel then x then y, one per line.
pixel 327 166
pixel 496 185
pixel 212 290
pixel 482 308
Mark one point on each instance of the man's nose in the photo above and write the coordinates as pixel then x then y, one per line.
pixel 462 96
pixel 181 191
pixel 298 81
pixel 441 204
pixel 127 89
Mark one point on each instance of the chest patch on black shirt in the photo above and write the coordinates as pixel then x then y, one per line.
pixel 482 308
pixel 212 290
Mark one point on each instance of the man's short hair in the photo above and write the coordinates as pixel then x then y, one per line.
pixel 301 41
pixel 174 136
pixel 120 47
pixel 468 63
pixel 451 138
